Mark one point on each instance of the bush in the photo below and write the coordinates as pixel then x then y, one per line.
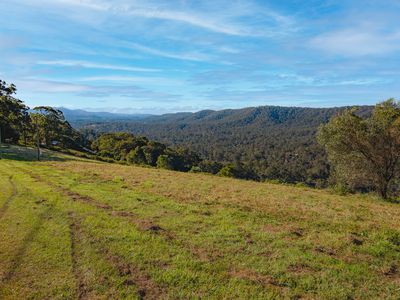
pixel 165 162
pixel 237 171
pixel 136 156
pixel 341 189
pixel 228 171
pixel 210 166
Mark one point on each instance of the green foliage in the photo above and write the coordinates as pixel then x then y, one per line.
pixel 212 167
pixel 52 129
pixel 364 152
pixel 166 162
pixel 227 171
pixel 341 188
pixel 136 156
pixel 118 145
pixel 45 124
pixel 179 160
pixel 139 150
pixel 7 89
pixel 184 159
pixel 237 171
pixel 394 238
pixel 152 151
pixel 275 142
pixel 14 117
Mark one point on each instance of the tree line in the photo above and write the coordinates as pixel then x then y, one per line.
pixel 360 149
pixel 132 149
pixel 43 125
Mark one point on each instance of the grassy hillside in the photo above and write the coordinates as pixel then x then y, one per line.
pixel 72 228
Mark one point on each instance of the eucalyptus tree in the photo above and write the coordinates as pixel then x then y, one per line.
pixel 51 128
pixel 14 117
pixel 365 152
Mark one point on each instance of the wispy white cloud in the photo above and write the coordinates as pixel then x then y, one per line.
pixel 193 56
pixel 49 86
pixel 85 51
pixel 133 79
pixel 227 49
pixel 223 22
pixel 96 5
pixel 192 19
pixel 53 87
pixel 91 65
pixel 358 42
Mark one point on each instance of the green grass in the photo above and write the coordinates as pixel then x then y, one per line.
pixel 74 229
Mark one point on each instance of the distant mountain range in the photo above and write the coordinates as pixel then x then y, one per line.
pixel 276 142
pixel 79 117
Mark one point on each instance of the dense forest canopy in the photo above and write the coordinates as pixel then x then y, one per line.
pixel 274 142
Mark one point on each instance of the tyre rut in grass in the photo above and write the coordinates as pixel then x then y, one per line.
pixel 144 225
pixel 146 288
pixel 28 239
pixel 4 207
pixel 74 229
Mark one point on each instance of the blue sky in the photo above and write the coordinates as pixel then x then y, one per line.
pixel 166 56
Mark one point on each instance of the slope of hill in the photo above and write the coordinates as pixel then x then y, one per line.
pixel 276 142
pixel 72 228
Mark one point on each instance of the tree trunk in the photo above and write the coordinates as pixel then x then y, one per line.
pixel 383 189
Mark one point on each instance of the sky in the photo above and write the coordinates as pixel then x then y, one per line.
pixel 136 56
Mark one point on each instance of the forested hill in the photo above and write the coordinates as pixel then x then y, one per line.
pixel 276 142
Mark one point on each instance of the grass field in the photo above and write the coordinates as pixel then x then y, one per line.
pixel 76 229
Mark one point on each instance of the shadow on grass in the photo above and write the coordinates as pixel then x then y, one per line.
pixel 21 153
pixel 393 200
